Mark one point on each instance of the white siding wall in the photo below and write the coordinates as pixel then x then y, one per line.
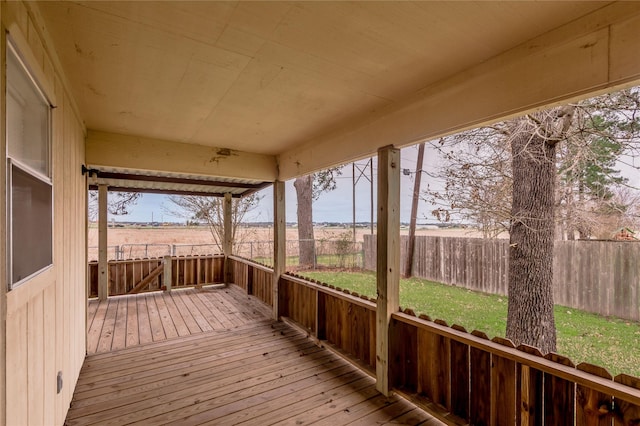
pixel 45 318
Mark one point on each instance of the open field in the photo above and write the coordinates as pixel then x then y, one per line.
pixel 201 235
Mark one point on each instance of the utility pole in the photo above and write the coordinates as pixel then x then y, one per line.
pixel 353 201
pixel 414 212
pixel 362 173
pixel 371 182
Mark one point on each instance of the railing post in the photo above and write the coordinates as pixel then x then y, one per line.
pixel 166 277
pixel 103 265
pixel 388 260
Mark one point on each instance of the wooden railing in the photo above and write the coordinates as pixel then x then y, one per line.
pixel 463 378
pixel 480 381
pixel 256 279
pixel 343 319
pixel 140 275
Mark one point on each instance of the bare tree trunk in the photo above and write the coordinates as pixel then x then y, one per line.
pixel 306 243
pixel 408 269
pixel 530 318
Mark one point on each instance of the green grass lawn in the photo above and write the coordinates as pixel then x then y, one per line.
pixel 326 260
pixel 609 342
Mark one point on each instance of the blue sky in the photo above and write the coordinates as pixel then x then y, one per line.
pixel 334 206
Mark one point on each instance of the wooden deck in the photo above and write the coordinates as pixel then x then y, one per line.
pixel 226 373
pixel 124 321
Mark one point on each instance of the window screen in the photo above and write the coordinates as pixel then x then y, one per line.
pixel 31 224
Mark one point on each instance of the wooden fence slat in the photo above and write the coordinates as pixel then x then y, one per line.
pixel 359 334
pixel 627 413
pixel 330 331
pixel 593 408
pixel 113 273
pixel 285 297
pixel 433 367
pixel 218 269
pixel 529 392
pixel 559 396
pixel 93 279
pixel 480 378
pixel 503 387
pixel 403 360
pixel 372 338
pixel 128 278
pixel 146 268
pixel 459 377
pixel 321 316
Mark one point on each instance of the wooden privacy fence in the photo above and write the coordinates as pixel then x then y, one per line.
pixel 140 275
pixel 463 378
pixel 602 277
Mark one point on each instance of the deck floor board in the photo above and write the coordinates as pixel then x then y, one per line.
pixel 213 356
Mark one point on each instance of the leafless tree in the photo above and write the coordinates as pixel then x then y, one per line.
pixel 477 174
pixel 210 210
pixel 118 203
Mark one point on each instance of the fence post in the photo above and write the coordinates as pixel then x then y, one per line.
pixel 167 278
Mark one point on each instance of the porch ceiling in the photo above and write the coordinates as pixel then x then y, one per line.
pixel 313 84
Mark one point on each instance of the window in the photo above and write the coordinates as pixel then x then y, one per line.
pixel 29 187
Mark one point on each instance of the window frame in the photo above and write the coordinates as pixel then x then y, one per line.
pixel 12 162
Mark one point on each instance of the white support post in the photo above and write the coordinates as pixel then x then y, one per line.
pixel 388 260
pixel 103 266
pixel 227 244
pixel 279 241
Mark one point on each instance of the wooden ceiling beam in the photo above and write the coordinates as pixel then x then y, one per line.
pixel 175 180
pixel 164 191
